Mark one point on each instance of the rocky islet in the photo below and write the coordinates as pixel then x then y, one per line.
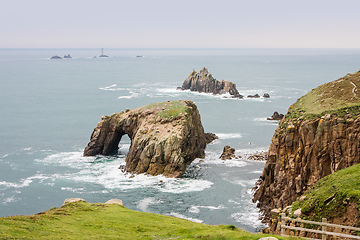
pixel 165 137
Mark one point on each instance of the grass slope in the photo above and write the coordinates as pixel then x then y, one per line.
pixel 82 220
pixel 330 196
pixel 341 96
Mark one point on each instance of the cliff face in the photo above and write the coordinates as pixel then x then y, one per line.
pixel 203 81
pixel 165 137
pixel 318 136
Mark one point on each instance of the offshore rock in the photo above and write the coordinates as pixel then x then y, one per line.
pixel 318 136
pixel 209 137
pixel 228 153
pixel 203 81
pixel 165 137
pixel 276 117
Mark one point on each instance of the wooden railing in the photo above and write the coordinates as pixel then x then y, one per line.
pixel 323 230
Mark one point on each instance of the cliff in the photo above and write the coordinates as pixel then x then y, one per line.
pixel 319 135
pixel 165 137
pixel 203 81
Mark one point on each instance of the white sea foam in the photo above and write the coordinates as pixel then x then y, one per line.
pixel 24 182
pixel 105 171
pixel 213 158
pixel 249 217
pixel 113 88
pixel 74 190
pixel 133 95
pixel 228 135
pixel 181 185
pixel 10 199
pixel 144 203
pixel 179 215
pixel 244 183
pixel 69 159
pixel 196 209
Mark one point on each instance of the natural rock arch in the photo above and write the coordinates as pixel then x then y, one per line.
pixel 165 137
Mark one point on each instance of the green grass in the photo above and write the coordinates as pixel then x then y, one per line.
pixel 343 186
pixel 170 109
pixel 83 220
pixel 340 97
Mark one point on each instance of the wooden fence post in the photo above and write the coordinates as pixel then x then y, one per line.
pixel 282 221
pixel 323 237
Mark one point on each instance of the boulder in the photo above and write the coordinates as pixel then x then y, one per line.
pixel 115 201
pixel 228 153
pixel 71 200
pixel 203 81
pixel 297 213
pixel 165 137
pixel 266 95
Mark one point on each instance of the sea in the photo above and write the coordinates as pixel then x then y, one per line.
pixel 49 108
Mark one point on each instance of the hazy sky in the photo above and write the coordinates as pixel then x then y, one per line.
pixel 180 23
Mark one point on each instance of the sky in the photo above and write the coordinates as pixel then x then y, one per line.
pixel 179 24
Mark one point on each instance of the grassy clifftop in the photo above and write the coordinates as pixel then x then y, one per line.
pixel 339 97
pixel 332 196
pixel 82 220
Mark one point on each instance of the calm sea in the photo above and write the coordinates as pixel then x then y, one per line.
pixel 50 107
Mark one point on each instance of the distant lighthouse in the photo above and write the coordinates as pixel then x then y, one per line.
pixel 102 53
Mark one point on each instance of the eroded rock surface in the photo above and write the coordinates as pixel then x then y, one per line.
pixel 203 81
pixel 228 153
pixel 309 144
pixel 165 137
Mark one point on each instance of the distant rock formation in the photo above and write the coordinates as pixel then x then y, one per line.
pixel 318 136
pixel 276 117
pixel 203 81
pixel 56 57
pixel 228 153
pixel 266 95
pixel 254 96
pixel 165 137
pixel 67 56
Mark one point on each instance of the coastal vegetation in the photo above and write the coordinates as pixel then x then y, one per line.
pixel 169 108
pixel 82 220
pixel 331 196
pixel 340 97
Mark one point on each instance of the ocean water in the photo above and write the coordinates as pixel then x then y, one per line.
pixel 50 107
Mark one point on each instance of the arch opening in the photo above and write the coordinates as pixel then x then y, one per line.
pixel 124 145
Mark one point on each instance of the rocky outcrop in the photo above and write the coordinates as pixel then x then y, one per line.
pixel 203 81
pixel 254 96
pixel 304 152
pixel 228 153
pixel 209 137
pixel 165 137
pixel 276 117
pixel 318 136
